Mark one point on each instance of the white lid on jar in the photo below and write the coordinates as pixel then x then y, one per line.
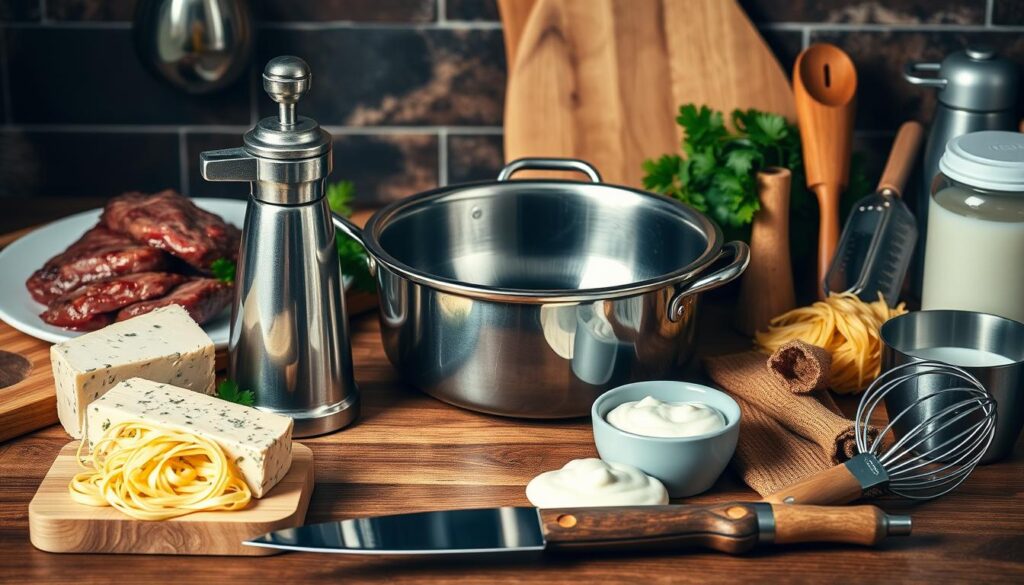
pixel 990 159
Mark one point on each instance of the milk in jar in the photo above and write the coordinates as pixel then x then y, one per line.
pixel 974 258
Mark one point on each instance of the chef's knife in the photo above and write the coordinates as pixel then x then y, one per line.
pixel 731 528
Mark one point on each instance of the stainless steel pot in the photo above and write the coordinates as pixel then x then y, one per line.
pixel 530 298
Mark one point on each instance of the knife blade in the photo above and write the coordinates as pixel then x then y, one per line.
pixel 731 528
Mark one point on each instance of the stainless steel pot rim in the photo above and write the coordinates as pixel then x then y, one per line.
pixel 378 222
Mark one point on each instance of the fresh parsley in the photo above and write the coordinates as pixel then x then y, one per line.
pixel 354 261
pixel 223 270
pixel 229 390
pixel 716 175
pixel 716 172
pixel 339 197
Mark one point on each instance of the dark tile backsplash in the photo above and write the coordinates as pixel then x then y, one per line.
pixel 90 10
pixel 880 57
pixel 347 10
pixel 474 157
pixel 412 89
pixel 894 12
pixel 78 163
pixel 471 10
pixel 397 76
pixel 92 76
pixel 19 10
pixel 1008 12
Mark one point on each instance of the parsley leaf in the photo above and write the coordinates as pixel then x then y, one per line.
pixel 717 174
pixel 228 390
pixel 223 270
pixel 340 196
pixel 354 261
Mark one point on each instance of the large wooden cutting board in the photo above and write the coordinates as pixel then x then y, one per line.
pixel 602 80
pixel 59 524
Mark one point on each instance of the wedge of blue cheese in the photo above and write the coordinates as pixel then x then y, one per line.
pixel 259 443
pixel 165 345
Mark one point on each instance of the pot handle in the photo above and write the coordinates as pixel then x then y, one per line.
pixel 549 164
pixel 348 228
pixel 740 258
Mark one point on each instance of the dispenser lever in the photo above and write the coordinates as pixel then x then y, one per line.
pixel 229 164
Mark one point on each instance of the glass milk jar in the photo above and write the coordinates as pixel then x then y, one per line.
pixel 974 259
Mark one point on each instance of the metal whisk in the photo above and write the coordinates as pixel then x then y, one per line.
pixel 927 449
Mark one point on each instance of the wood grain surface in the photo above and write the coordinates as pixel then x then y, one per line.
pixel 410 453
pixel 602 80
pixel 27 399
pixel 59 524
pixel 766 287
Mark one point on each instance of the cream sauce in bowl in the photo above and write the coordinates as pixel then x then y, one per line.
pixel 651 417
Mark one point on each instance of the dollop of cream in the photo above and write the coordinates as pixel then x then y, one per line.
pixel 651 417
pixel 593 483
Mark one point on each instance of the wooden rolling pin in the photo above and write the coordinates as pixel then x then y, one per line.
pixel 767 286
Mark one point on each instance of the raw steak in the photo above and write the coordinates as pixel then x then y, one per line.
pixel 203 298
pixel 99 254
pixel 92 306
pixel 172 222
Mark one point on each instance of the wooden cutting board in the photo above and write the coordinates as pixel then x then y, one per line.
pixel 602 80
pixel 60 525
pixel 27 400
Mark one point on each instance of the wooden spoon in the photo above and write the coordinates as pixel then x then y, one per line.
pixel 824 84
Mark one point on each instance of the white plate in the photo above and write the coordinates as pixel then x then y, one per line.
pixel 19 260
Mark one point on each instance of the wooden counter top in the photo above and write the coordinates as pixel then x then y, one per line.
pixel 410 452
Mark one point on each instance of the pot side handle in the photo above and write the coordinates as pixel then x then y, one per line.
pixel 348 228
pixel 740 253
pixel 549 164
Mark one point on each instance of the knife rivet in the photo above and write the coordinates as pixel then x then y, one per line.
pixel 736 512
pixel 566 520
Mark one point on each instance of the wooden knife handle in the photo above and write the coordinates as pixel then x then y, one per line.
pixel 901 158
pixel 730 528
pixel 833 486
pixel 864 525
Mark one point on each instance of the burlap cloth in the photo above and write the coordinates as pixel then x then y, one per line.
pixel 790 426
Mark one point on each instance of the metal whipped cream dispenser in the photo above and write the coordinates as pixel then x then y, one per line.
pixel 977 90
pixel 289 331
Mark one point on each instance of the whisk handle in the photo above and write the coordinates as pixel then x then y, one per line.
pixel 864 525
pixel 839 485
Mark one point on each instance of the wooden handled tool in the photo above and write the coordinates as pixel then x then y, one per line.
pixel 730 528
pixel 767 286
pixel 901 159
pixel 825 84
pixel 836 485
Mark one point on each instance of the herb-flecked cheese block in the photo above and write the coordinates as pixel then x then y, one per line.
pixel 259 443
pixel 165 345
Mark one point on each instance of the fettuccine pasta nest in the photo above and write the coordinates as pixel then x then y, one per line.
pixel 154 473
pixel 845 326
